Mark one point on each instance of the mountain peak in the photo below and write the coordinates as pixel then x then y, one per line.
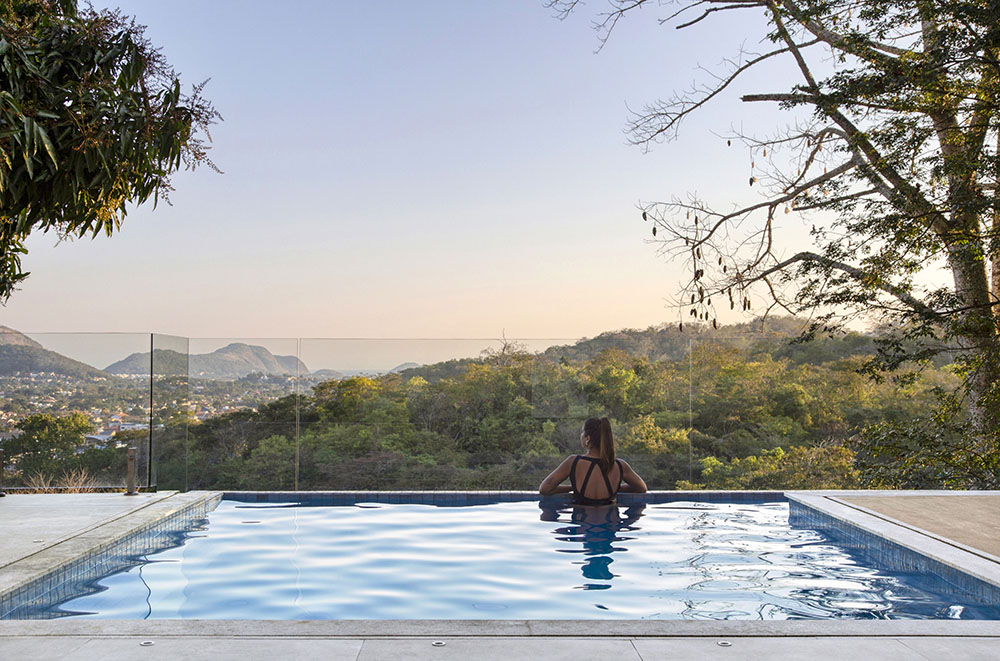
pixel 11 337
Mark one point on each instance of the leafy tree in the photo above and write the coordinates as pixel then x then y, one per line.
pixel 92 119
pixel 892 162
pixel 46 444
pixel 795 468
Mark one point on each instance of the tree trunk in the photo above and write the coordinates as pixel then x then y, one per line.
pixel 976 330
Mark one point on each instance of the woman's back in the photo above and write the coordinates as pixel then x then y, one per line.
pixel 591 485
pixel 596 477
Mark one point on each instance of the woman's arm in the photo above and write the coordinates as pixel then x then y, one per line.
pixel 632 479
pixel 551 484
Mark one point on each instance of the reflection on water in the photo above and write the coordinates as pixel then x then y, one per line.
pixel 676 560
pixel 596 528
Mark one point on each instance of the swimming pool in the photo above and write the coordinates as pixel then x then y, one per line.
pixel 512 560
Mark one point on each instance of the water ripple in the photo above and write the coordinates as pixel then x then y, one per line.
pixel 508 560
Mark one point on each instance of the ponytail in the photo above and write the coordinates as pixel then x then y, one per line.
pixel 599 430
pixel 607 459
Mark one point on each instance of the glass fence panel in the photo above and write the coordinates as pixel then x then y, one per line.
pixel 642 383
pixel 243 405
pixel 70 405
pixel 172 414
pixel 429 414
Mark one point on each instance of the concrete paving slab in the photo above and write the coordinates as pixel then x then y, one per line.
pixel 978 649
pixel 972 520
pixel 777 649
pixel 216 649
pixel 499 649
pixel 33 522
pixel 39 649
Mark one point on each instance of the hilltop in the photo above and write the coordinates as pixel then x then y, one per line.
pixel 232 361
pixel 19 353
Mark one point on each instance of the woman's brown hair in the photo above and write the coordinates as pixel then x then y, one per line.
pixel 599 429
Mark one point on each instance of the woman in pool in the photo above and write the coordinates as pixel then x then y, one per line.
pixel 597 476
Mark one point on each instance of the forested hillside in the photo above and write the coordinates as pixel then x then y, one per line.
pixel 749 410
pixel 743 409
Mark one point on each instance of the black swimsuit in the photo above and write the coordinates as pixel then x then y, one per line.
pixel 578 496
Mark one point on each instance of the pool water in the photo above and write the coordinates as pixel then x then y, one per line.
pixel 520 560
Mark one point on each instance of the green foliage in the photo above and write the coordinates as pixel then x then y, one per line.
pixel 504 421
pixel 92 119
pixel 927 452
pixel 795 468
pixel 46 444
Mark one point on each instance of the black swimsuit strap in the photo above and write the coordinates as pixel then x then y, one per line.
pixel 607 483
pixel 586 478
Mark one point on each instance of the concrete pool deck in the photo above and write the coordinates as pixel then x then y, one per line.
pixel 39 532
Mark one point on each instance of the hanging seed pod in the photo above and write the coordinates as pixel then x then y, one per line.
pixel 732 305
pixel 680 326
pixel 787 210
pixel 753 164
pixel 748 304
pixel 715 324
pixel 723 268
pixel 699 253
pixel 644 215
pixel 686 242
pixel 654 230
pixel 765 152
pixel 693 312
pixel 753 180
pixel 701 292
pixel 709 300
pixel 692 299
pixel 729 143
pixel 720 261
pixel 696 220
pixel 687 216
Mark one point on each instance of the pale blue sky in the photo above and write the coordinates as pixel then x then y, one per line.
pixel 404 169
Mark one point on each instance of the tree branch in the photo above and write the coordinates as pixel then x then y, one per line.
pixel 857 274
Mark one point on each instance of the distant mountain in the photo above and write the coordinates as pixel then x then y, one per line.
pixel 19 353
pixel 667 342
pixel 326 374
pixel 166 362
pixel 404 366
pixel 11 337
pixel 232 361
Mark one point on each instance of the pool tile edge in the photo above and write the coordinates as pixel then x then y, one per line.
pixel 75 558
pixel 897 545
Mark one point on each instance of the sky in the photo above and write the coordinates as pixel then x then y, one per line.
pixel 396 169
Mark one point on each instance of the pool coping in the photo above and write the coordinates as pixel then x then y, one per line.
pixel 499 628
pixel 847 522
pixel 117 540
pixel 467 498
